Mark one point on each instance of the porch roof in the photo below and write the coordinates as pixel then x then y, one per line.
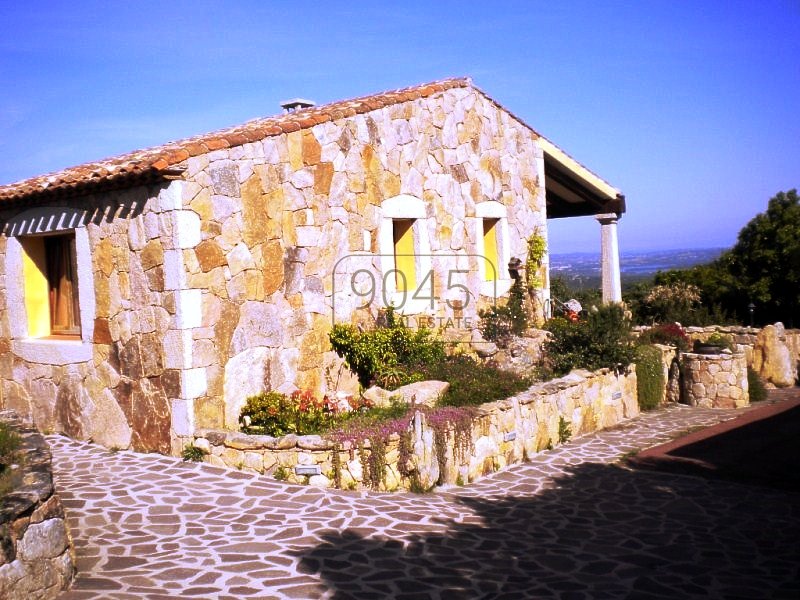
pixel 573 190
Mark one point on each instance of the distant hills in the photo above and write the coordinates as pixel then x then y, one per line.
pixel 582 269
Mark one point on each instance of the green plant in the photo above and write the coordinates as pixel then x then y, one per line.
pixel 273 413
pixel 280 473
pixel 718 339
pixel 390 345
pixel 336 465
pixel 10 442
pixel 537 247
pixel 459 480
pixel 391 377
pixel 761 269
pixel 650 381
pixel 192 453
pixel 755 385
pixel 498 323
pixel 564 430
pixel 471 382
pixel 600 339
pixel 377 462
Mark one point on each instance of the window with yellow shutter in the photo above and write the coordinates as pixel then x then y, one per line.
pixel 490 252
pixel 404 255
pixel 51 285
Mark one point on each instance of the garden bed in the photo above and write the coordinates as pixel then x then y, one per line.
pixel 435 447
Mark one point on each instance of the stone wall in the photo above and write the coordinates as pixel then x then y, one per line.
pixel 35 548
pixel 115 385
pixel 286 223
pixel 224 283
pixel 715 380
pixel 503 433
pixel 773 352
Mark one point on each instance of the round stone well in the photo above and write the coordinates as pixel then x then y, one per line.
pixel 714 380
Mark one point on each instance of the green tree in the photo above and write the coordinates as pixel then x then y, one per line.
pixel 766 260
pixel 763 268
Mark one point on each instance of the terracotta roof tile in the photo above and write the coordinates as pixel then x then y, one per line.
pixel 145 165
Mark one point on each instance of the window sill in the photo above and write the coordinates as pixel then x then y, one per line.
pixel 53 350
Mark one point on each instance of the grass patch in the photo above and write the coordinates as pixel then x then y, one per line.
pixel 9 446
pixel 192 453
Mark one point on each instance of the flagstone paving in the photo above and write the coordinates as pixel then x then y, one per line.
pixel 570 524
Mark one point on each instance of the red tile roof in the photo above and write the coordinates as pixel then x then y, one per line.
pixel 153 164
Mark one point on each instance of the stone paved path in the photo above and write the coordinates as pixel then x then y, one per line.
pixel 568 524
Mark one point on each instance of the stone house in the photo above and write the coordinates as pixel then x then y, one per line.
pixel 146 295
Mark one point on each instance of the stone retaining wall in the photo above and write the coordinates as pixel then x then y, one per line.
pixel 715 380
pixel 35 548
pixel 502 433
pixel 773 351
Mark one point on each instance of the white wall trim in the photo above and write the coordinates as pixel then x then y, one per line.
pixel 491 209
pixel 48 351
pixel 43 221
pixel 405 206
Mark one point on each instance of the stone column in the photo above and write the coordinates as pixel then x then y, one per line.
pixel 609 250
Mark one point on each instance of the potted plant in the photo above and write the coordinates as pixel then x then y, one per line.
pixel 715 344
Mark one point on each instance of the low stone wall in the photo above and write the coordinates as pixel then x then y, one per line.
pixel 773 351
pixel 35 548
pixel 715 380
pixel 502 433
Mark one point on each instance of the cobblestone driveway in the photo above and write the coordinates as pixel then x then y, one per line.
pixel 568 524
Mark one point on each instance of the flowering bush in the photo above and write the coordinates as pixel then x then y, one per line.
pixel 273 413
pixel 671 334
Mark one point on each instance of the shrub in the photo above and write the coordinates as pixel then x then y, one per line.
pixel 650 381
pixel 757 390
pixel 9 444
pixel 192 453
pixel 564 430
pixel 537 248
pixel 600 339
pixel 273 413
pixel 471 382
pixel 391 345
pixel 499 323
pixel 670 334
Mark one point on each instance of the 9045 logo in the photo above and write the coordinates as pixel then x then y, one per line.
pixel 413 284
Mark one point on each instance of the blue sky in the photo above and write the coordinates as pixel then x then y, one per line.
pixel 690 108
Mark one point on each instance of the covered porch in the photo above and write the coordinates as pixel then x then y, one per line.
pixel 572 190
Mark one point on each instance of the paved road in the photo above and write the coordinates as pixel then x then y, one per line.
pixel 568 524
